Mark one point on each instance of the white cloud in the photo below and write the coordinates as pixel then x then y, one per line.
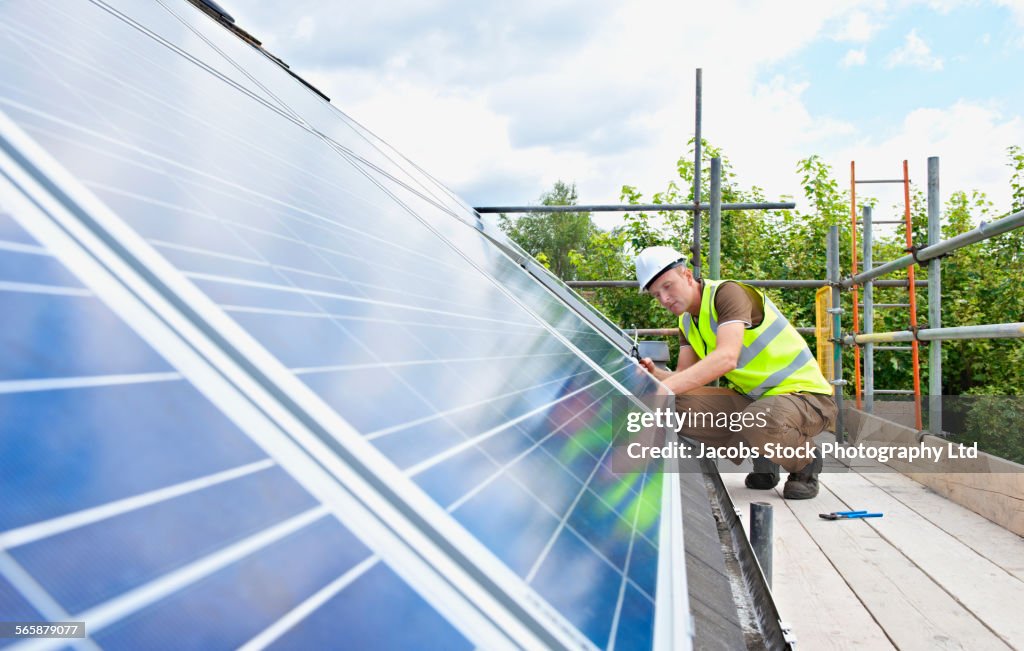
pixel 969 138
pixel 304 29
pixel 858 28
pixel 914 53
pixel 498 113
pixel 1016 7
pixel 854 58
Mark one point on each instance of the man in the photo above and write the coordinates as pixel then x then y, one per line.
pixel 734 331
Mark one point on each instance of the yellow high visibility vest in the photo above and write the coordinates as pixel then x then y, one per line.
pixel 774 359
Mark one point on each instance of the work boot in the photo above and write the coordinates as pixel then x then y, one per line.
pixel 765 475
pixel 803 485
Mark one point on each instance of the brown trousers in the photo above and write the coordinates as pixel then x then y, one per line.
pixel 789 420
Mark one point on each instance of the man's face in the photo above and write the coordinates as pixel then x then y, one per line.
pixel 673 290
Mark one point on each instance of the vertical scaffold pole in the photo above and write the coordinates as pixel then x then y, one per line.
pixel 853 272
pixel 934 300
pixel 869 315
pixel 832 254
pixel 715 225
pixel 695 247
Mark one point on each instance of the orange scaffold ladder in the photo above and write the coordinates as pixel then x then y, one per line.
pixel 912 303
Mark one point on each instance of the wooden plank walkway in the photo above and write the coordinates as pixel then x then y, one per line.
pixel 929 575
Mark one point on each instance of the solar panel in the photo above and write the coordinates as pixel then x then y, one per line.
pixel 131 502
pixel 322 300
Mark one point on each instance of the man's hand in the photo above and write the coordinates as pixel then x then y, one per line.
pixel 649 366
pixel 719 362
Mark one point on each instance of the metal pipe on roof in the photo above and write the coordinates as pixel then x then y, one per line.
pixel 761 536
pixel 939 248
pixel 638 207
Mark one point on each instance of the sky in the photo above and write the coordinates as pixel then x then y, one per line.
pixel 498 100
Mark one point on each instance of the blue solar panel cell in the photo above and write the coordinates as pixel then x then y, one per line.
pixel 596 522
pixel 582 586
pixel 450 479
pixel 643 564
pixel 15 608
pixel 254 298
pixel 370 398
pixel 510 521
pixel 410 445
pixel 54 335
pixel 11 231
pixel 634 629
pixel 549 480
pixel 121 553
pixel 573 453
pixel 33 268
pixel 380 613
pixel 95 450
pixel 322 344
pixel 238 601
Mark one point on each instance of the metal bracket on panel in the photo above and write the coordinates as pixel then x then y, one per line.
pixel 787 634
pixel 835 310
pixel 838 383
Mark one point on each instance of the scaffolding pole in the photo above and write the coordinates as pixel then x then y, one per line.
pixel 935 293
pixel 940 248
pixel 832 254
pixel 715 221
pixel 637 207
pixel 869 315
pixel 853 270
pixel 987 331
pixel 695 246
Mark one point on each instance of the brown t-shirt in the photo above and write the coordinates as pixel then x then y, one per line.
pixel 735 302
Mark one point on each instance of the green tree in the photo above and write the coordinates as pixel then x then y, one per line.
pixel 555 239
pixel 1017 179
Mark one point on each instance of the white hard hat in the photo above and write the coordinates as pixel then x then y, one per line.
pixel 654 261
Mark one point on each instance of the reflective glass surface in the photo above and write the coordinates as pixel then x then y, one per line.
pixel 347 264
pixel 130 502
